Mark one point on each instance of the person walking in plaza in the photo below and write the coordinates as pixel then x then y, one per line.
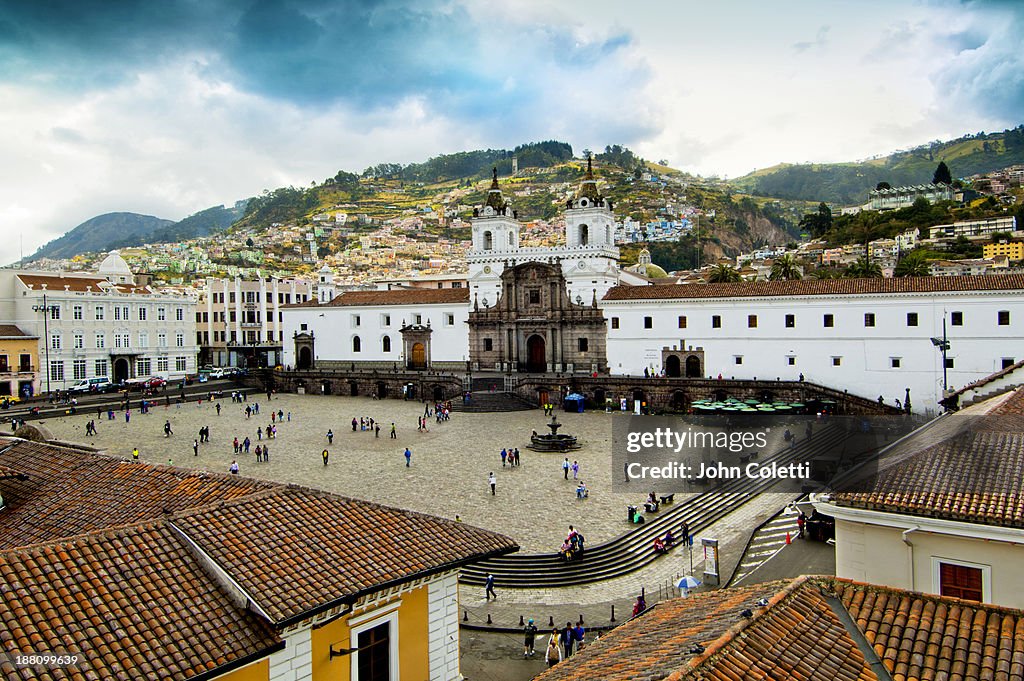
pixel 575 470
pixel 504 455
pixel 167 429
pixel 565 468
pixel 489 588
pixel 515 457
pixel 578 633
pixel 218 409
pixel 195 447
pixel 394 433
pixel 408 457
pixel 376 432
pixel 553 655
pixel 233 468
pixel 567 640
pixel 266 453
pixel 330 436
pixel 246 443
pixel 326 455
pixel 259 453
pixel 493 482
pixel 529 635
pixel 235 444
pixel 355 424
pixel 135 454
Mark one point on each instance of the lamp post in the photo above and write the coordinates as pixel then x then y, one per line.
pixel 942 344
pixel 47 310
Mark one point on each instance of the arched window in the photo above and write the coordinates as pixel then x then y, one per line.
pixel 386 344
pixel 488 241
pixel 357 345
pixel 608 234
pixel 511 239
pixel 584 235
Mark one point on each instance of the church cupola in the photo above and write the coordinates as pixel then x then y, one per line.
pixel 325 285
pixel 589 220
pixel 495 227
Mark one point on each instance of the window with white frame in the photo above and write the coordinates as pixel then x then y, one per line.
pixel 179 314
pixel 356 320
pixel 55 341
pixel 143 339
pixel 78 369
pixel 56 370
pixel 162 364
pixel 142 314
pixel 449 320
pixel 100 313
pixel 100 367
pixel 376 644
pixel 79 341
pixel 180 363
pixel 385 320
pixel 55 314
pixel 77 312
pixel 101 341
pixel 143 366
pixel 961 579
pixel 161 314
pixel 161 340
pixel 179 340
pixel 117 313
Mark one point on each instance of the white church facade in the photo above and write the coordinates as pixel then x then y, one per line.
pixel 872 337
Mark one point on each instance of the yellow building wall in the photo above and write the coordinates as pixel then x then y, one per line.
pixel 258 671
pixel 14 349
pixel 1013 250
pixel 413 658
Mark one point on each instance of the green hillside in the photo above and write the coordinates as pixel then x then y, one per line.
pixel 849 183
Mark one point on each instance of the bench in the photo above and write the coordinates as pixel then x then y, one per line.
pixel 668 498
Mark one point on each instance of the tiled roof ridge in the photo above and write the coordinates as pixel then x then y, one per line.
pixel 735 632
pixel 938 599
pixel 991 377
pixel 87 537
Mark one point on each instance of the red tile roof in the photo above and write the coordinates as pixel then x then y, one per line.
pixel 799 634
pixel 310 549
pixel 57 283
pixel 12 331
pixel 71 491
pixel 405 296
pixel 132 603
pixel 815 287
pixel 7 472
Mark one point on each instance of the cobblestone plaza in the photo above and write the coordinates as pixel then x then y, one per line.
pixel 449 468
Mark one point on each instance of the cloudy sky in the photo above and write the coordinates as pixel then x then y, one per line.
pixel 168 107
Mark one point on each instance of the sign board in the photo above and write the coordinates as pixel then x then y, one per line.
pixel 711 576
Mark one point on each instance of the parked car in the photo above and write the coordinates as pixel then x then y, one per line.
pixel 219 372
pixel 153 382
pixel 92 385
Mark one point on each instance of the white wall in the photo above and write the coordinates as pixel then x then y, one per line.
pixel 335 327
pixel 443 644
pixel 977 348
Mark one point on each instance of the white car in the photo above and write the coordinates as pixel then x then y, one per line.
pixel 220 373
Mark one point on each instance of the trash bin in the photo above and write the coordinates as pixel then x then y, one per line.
pixel 630 514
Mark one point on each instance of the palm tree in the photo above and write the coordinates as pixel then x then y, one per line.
pixel 862 268
pixel 723 274
pixel 825 273
pixel 785 267
pixel 914 264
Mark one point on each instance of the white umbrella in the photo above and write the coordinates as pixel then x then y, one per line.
pixel 688 582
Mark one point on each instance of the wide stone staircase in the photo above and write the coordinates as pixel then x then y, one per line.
pixel 491 401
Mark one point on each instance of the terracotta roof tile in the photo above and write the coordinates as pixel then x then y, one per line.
pixel 815 287
pixel 799 635
pixel 295 550
pixel 408 296
pixel 117 598
pixel 12 331
pixel 71 491
pixel 57 283
pixel 8 472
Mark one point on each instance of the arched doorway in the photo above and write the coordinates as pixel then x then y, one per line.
pixel 536 357
pixel 693 368
pixel 325 387
pixel 638 395
pixel 438 393
pixel 305 358
pixel 672 369
pixel 600 397
pixel 679 401
pixel 418 356
pixel 542 396
pixel 382 390
pixel 120 370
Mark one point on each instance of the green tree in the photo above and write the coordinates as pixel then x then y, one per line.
pixel 883 185
pixel 862 268
pixel 817 223
pixel 942 174
pixel 913 264
pixel 723 274
pixel 786 268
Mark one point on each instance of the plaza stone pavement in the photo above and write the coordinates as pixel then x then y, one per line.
pixel 450 463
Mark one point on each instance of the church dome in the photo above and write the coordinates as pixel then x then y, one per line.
pixel 645 267
pixel 115 269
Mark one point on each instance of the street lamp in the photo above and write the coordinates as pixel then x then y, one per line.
pixel 942 344
pixel 47 310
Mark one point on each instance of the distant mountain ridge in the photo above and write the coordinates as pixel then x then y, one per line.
pixel 123 230
pixel 849 183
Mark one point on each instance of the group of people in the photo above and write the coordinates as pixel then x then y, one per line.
pixel 510 457
pixel 572 547
pixel 366 424
pixel 442 412
pixel 562 644
pixel 574 467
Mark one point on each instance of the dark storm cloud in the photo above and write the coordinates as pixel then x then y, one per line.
pixel 364 53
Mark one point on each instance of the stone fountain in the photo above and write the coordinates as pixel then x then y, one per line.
pixel 554 442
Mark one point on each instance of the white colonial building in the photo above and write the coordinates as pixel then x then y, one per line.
pixel 93 325
pixel 589 259
pixel 413 328
pixel 872 337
